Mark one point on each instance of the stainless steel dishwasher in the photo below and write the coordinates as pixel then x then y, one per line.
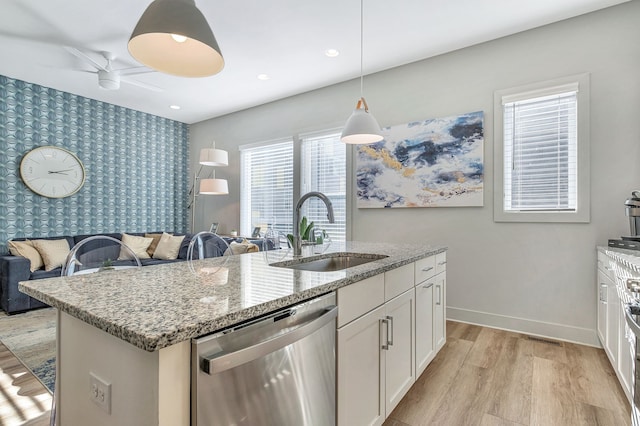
pixel 276 370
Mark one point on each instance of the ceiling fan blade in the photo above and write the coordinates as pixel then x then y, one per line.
pixel 135 70
pixel 141 84
pixel 79 54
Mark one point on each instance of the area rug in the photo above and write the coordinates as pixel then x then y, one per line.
pixel 31 337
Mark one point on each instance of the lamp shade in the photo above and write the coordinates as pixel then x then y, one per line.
pixel 214 187
pixel 214 157
pixel 173 36
pixel 361 127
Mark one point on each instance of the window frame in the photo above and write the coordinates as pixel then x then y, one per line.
pixel 298 169
pixel 531 91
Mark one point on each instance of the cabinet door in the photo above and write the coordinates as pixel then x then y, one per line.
pixel 626 350
pixel 360 371
pixel 425 345
pixel 399 356
pixel 602 309
pixel 439 310
pixel 613 320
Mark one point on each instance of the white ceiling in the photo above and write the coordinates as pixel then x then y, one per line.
pixel 285 39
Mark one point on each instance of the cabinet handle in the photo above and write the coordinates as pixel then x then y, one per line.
pixel 426 286
pixel 439 302
pixel 390 340
pixel 386 322
pixel 444 262
pixel 427 269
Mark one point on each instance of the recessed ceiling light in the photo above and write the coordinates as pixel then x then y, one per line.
pixel 332 53
pixel 174 106
pixel 263 77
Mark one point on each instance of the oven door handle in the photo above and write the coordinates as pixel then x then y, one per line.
pixel 224 361
pixel 631 322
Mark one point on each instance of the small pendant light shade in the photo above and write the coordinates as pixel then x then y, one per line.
pixel 173 37
pixel 361 127
pixel 214 187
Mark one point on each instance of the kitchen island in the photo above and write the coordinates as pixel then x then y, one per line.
pixel 132 328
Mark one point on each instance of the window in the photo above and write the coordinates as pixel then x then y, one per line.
pixel 542 152
pixel 268 193
pixel 266 196
pixel 323 168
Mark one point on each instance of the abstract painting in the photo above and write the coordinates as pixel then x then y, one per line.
pixel 431 163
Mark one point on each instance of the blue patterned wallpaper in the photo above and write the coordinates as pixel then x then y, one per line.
pixel 135 163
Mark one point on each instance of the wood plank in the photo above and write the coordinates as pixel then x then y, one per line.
pixel 513 381
pixel 462 331
pixel 593 381
pixel 428 393
pixel 489 420
pixel 23 399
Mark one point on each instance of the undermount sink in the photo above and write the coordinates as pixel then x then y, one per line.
pixel 333 262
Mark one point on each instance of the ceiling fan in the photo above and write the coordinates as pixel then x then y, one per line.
pixel 110 78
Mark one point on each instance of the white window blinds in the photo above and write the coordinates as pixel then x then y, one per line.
pixel 323 168
pixel 267 187
pixel 540 152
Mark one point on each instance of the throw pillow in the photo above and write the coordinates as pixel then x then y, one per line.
pixel 243 247
pixel 168 247
pixel 54 252
pixel 139 245
pixel 152 247
pixel 26 249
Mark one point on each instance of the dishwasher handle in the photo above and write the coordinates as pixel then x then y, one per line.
pixel 219 363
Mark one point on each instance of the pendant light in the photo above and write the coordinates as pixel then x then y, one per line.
pixel 361 127
pixel 173 36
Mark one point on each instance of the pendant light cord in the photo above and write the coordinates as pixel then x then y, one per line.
pixel 361 46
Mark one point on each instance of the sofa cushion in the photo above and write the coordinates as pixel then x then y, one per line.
pixel 151 262
pixel 41 273
pixel 154 243
pixel 138 245
pixel 185 246
pixel 243 247
pixel 26 249
pixel 54 252
pixel 168 247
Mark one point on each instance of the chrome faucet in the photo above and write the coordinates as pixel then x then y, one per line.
pixel 297 243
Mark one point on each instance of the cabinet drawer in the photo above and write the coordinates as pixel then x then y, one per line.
pixel 441 262
pixel 359 298
pixel 424 269
pixel 397 281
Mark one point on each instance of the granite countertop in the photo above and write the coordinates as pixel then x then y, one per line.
pixel 629 258
pixel 157 306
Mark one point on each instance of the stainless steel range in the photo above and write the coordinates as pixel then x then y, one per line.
pixel 632 315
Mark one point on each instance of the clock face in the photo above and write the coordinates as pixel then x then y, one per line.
pixel 52 172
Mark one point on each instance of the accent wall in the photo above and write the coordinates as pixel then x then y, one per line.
pixel 135 164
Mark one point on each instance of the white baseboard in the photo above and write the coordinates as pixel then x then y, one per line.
pixel 583 336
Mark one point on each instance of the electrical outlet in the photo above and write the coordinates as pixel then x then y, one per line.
pixel 100 392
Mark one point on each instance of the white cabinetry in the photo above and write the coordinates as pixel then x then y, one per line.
pixel 382 330
pixel 616 338
pixel 430 279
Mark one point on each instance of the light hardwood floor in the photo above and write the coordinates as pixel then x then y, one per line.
pixel 484 376
pixel 23 399
pixel 481 377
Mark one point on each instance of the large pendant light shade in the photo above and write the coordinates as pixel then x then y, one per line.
pixel 173 37
pixel 214 187
pixel 361 127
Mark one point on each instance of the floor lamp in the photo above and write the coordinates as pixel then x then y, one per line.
pixel 208 186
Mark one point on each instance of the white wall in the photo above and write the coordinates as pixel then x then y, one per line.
pixel 537 278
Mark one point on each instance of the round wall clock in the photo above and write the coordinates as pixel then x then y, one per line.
pixel 52 172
